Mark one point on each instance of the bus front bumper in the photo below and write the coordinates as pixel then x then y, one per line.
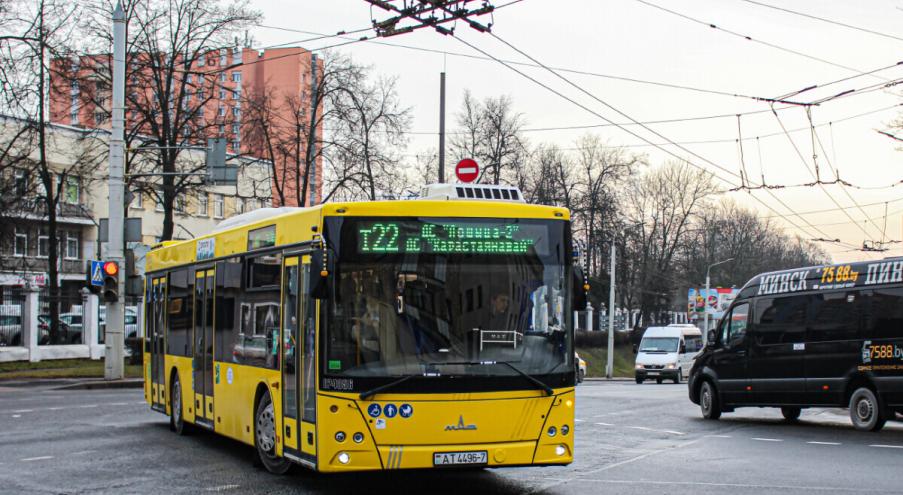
pixel 493 455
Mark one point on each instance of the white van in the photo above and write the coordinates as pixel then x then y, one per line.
pixel 667 352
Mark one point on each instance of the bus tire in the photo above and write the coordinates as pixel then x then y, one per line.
pixel 866 410
pixel 177 416
pixel 265 437
pixel 708 401
pixel 791 414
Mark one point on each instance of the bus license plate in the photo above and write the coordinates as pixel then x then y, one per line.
pixel 459 458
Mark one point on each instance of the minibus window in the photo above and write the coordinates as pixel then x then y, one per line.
pixel 737 325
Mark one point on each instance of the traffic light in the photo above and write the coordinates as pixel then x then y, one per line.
pixel 111 281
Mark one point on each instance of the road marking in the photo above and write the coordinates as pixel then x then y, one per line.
pixel 120 403
pixel 673 432
pixel 23 410
pixel 825 443
pixel 603 424
pixel 766 439
pixel 723 485
pixel 86 406
pixel 719 436
pixel 879 446
pixel 83 452
pixel 17 415
pixel 220 488
pixel 42 458
pixel 640 428
pixel 54 408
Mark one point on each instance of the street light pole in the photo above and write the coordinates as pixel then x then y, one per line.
pixel 705 307
pixel 610 355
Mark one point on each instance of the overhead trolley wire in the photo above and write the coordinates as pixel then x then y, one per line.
pixel 823 19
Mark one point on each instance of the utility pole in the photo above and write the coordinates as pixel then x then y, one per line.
pixel 610 355
pixel 442 127
pixel 115 319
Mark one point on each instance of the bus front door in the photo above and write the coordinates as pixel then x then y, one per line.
pixel 298 370
pixel 203 346
pixel 154 335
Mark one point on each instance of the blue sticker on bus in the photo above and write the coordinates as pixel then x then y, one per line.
pixel 391 410
pixel 373 410
pixel 406 410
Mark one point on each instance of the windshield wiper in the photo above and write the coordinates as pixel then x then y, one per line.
pixel 373 391
pixel 539 384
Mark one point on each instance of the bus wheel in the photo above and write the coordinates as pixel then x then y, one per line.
pixel 865 410
pixel 176 418
pixel 791 414
pixel 708 401
pixel 265 437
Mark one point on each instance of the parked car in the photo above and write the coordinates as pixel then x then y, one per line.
pixel 71 328
pixel 581 367
pixel 10 325
pixel 131 322
pixel 667 352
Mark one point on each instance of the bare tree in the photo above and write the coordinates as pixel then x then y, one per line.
pixel 177 62
pixel 39 32
pixel 490 132
pixel 373 126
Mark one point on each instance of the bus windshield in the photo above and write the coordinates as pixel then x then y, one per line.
pixel 441 296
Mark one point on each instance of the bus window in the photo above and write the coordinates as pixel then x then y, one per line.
pixel 228 286
pixel 834 317
pixel 780 320
pixel 180 313
pixel 885 314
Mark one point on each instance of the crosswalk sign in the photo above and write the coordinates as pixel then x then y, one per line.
pixel 97 273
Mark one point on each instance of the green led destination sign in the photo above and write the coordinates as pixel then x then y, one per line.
pixel 447 238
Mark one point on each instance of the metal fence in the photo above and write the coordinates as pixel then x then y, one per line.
pixel 11 302
pixel 69 328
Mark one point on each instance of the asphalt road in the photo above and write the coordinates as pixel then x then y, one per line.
pixel 630 439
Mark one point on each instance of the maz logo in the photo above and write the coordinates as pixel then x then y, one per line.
pixel 460 426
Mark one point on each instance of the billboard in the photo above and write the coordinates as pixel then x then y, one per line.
pixel 714 302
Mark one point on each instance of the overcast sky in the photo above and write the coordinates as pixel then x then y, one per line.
pixel 631 39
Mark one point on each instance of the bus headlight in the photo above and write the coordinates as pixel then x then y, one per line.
pixel 344 458
pixel 560 450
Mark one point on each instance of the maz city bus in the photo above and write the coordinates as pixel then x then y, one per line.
pixel 376 335
pixel 822 336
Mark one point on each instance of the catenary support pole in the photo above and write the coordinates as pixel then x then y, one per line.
pixel 441 127
pixel 610 364
pixel 113 340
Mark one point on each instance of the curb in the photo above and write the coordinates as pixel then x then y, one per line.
pixel 104 384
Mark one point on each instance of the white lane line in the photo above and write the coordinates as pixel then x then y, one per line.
pixel 220 488
pixel 86 406
pixel 766 439
pixel 673 432
pixel 54 408
pixel 17 415
pixel 603 424
pixel 719 436
pixel 23 410
pixel 824 443
pixel 120 403
pixel 795 488
pixel 640 428
pixel 42 458
pixel 880 446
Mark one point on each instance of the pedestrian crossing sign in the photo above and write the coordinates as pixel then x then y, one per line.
pixel 97 273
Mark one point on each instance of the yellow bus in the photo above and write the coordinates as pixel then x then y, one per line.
pixel 374 335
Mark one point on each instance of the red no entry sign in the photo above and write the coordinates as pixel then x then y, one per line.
pixel 467 170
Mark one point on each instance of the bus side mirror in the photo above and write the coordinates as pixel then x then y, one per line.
pixel 711 339
pixel 317 285
pixel 579 292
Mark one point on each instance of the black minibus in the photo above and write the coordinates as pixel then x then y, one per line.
pixel 822 336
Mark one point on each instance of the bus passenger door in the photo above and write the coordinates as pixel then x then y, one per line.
pixel 298 368
pixel 154 333
pixel 203 349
